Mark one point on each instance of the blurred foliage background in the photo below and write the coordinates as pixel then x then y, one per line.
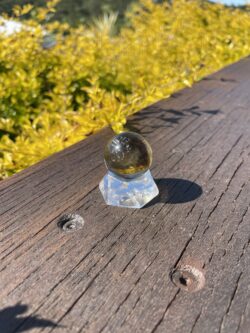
pixel 76 12
pixel 61 83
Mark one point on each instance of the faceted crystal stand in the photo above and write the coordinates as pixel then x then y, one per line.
pixel 130 193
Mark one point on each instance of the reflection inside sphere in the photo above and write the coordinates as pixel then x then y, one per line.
pixel 128 154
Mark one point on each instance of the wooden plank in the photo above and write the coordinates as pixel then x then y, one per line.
pixel 113 275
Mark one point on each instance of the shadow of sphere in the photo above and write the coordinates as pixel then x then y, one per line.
pixel 176 191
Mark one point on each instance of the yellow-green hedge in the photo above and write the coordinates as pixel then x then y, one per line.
pixel 54 96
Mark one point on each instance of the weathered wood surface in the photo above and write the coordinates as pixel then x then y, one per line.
pixel 113 274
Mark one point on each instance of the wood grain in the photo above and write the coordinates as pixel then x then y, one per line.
pixel 113 275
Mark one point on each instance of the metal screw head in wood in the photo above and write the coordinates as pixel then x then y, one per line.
pixel 70 222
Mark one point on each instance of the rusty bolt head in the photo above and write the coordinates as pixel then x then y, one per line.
pixel 188 277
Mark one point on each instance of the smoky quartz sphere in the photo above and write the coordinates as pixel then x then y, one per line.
pixel 128 155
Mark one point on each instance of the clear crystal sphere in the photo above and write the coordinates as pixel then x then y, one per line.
pixel 128 154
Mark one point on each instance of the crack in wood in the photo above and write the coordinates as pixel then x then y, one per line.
pixel 164 313
pixel 90 283
pixel 127 296
pixel 241 189
pixel 226 156
pixel 241 220
pixel 230 302
pixel 196 320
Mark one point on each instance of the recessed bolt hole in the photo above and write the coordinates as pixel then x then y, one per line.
pixel 70 222
pixel 188 278
pixel 183 281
